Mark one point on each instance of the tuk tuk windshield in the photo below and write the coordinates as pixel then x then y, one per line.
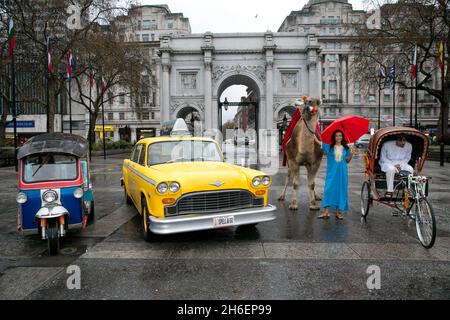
pixel 49 167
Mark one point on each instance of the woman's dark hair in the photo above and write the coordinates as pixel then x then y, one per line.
pixel 333 139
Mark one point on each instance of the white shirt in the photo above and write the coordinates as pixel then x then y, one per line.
pixel 392 155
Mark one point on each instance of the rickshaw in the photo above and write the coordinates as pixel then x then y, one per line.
pixel 410 197
pixel 55 190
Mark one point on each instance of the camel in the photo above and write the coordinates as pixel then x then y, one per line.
pixel 302 150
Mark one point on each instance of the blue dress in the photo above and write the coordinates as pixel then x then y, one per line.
pixel 336 183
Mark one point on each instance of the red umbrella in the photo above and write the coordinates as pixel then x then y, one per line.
pixel 352 126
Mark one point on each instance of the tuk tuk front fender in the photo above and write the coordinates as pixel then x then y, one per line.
pixel 51 212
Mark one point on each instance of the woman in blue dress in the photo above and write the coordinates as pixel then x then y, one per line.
pixel 335 196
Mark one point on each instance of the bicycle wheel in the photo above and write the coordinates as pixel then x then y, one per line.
pixel 425 223
pixel 366 199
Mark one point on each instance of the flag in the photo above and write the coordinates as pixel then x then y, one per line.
pixel 11 37
pixel 441 54
pixel 382 73
pixel 392 76
pixel 103 85
pixel 70 65
pixel 91 75
pixel 414 64
pixel 49 55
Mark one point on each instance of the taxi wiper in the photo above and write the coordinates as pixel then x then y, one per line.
pixel 40 166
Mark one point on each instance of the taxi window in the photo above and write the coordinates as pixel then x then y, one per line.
pixel 136 152
pixel 141 160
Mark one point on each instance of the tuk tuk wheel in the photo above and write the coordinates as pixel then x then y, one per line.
pixel 425 222
pixel 127 197
pixel 52 238
pixel 366 199
pixel 91 217
pixel 145 223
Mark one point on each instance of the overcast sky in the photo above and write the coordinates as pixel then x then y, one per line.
pixel 236 15
pixel 222 16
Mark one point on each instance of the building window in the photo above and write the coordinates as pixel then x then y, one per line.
pixel 170 24
pixel 332 71
pixel 323 85
pixel 153 37
pixel 146 25
pixel 387 98
pixel 121 116
pixel 427 110
pixel 357 98
pixel 401 97
pixel 145 98
pixel 122 98
pixel 110 116
pixel 332 84
pixel 145 116
pixel 323 72
pixel 331 57
pixel 333 97
pixel 372 98
pixel 153 116
pixel 332 30
pixel 357 86
pixel 110 98
pixel 138 115
pixel 145 38
pixel 154 99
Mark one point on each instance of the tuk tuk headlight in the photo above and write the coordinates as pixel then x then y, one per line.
pixel 162 187
pixel 78 193
pixel 266 181
pixel 174 187
pixel 256 181
pixel 21 198
pixel 50 196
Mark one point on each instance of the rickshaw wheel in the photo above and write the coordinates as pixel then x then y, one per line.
pixel 425 223
pixel 52 238
pixel 127 197
pixel 366 199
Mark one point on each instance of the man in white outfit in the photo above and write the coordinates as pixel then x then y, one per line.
pixel 394 158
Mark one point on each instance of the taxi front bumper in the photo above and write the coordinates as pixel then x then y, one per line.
pixel 200 222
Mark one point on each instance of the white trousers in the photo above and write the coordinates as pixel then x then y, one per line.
pixel 390 174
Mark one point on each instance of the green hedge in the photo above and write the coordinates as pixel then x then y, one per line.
pixel 111 145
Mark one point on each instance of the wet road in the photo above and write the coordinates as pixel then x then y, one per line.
pixel 294 257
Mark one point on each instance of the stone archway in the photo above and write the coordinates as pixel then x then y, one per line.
pixel 192 116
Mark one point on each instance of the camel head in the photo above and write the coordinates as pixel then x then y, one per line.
pixel 309 108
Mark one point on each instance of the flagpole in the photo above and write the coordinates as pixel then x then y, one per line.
pixel 442 105
pixel 379 105
pixel 90 111
pixel 14 110
pixel 48 90
pixel 393 100
pixel 70 105
pixel 103 123
pixel 416 122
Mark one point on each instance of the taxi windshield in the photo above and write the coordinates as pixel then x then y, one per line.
pixel 183 151
pixel 49 167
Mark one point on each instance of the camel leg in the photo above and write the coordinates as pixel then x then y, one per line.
pixel 283 194
pixel 312 171
pixel 295 178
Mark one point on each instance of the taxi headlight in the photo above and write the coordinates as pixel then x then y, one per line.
pixel 21 198
pixel 256 181
pixel 174 187
pixel 78 193
pixel 162 187
pixel 266 180
pixel 50 196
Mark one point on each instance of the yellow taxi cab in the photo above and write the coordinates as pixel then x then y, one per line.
pixel 181 184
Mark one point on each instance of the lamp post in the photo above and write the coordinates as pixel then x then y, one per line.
pixel 226 104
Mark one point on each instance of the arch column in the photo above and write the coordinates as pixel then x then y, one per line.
pixel 208 96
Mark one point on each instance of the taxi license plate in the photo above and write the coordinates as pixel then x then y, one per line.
pixel 221 222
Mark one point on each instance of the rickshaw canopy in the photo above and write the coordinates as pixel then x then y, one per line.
pixel 55 143
pixel 418 139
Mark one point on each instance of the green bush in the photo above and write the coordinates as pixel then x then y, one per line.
pixel 111 145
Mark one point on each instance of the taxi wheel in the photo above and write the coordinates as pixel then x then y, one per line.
pixel 91 216
pixel 127 197
pixel 145 223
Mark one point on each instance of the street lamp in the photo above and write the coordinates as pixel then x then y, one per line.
pixel 226 104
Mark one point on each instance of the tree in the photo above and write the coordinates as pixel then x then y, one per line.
pixel 404 25
pixel 38 20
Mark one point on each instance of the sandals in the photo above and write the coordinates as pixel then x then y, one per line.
pixel 339 216
pixel 324 216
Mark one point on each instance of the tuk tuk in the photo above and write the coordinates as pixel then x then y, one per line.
pixel 55 190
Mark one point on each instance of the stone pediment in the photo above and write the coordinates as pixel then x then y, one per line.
pixel 258 70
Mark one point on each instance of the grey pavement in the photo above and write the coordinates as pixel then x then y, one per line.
pixel 296 256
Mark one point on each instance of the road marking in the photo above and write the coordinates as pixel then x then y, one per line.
pixel 107 225
pixel 17 283
pixel 270 250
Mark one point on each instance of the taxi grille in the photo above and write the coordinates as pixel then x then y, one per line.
pixel 215 201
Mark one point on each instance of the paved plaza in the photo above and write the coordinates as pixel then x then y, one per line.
pixel 296 256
